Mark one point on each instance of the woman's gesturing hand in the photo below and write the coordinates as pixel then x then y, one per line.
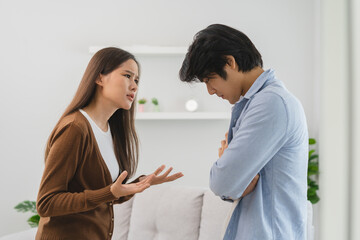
pixel 158 179
pixel 118 189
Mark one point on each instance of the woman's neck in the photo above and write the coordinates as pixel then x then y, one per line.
pixel 99 113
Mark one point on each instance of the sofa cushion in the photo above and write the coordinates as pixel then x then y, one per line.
pixel 166 212
pixel 214 212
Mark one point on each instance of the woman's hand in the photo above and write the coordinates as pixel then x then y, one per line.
pixel 159 179
pixel 119 190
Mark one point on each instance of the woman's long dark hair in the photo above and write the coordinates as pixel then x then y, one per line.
pixel 122 121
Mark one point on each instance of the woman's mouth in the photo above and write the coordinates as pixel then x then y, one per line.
pixel 131 97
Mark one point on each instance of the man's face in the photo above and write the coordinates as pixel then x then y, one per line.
pixel 229 89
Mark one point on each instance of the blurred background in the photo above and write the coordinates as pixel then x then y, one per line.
pixel 313 46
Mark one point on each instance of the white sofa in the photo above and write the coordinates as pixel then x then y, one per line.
pixel 168 213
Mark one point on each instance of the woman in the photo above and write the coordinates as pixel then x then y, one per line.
pixel 93 142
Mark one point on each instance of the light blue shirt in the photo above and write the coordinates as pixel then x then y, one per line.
pixel 268 135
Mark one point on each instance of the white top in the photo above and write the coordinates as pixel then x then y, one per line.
pixel 105 144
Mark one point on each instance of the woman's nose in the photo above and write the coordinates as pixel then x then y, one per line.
pixel 134 86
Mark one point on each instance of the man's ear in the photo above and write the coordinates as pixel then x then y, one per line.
pixel 230 60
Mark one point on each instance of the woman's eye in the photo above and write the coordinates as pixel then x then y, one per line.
pixel 127 75
pixel 137 81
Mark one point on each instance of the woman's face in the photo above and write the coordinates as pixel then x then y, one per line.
pixel 118 88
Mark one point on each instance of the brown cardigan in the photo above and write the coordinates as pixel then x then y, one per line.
pixel 74 199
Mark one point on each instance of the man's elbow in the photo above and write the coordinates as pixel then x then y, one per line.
pixel 216 184
pixel 223 186
pixel 213 188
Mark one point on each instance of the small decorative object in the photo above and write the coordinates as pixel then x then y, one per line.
pixel 191 105
pixel 156 104
pixel 29 206
pixel 141 102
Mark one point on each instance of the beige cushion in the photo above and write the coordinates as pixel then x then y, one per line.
pixel 164 212
pixel 214 212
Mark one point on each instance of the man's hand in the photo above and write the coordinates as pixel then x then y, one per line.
pixel 159 179
pixel 251 186
pixel 224 145
pixel 119 190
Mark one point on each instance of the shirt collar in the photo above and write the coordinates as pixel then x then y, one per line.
pixel 259 82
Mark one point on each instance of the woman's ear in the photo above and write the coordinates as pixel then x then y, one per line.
pixel 99 80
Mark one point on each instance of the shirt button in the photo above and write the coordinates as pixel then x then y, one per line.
pixel 110 234
pixel 112 219
pixel 111 204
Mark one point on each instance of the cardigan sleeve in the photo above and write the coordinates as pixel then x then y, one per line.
pixel 65 154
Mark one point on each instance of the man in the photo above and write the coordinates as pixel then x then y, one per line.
pixel 267 137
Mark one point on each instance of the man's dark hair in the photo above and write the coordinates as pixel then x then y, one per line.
pixel 206 55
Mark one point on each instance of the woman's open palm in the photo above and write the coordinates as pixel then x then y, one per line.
pixel 119 189
pixel 163 178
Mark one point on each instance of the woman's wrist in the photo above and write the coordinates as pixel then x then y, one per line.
pixel 113 191
pixel 142 178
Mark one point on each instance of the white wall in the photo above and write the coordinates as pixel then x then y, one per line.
pixel 340 119
pixel 334 128
pixel 355 167
pixel 44 51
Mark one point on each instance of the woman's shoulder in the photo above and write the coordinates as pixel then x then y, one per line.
pixel 74 121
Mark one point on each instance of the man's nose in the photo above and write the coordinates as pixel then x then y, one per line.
pixel 211 90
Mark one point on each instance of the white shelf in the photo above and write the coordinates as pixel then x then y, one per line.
pixel 143 50
pixel 182 115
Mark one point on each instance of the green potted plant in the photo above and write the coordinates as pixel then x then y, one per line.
pixel 156 104
pixel 141 102
pixel 29 206
pixel 313 172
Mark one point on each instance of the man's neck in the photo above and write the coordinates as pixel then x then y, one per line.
pixel 250 78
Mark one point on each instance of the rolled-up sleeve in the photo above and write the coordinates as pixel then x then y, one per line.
pixel 256 140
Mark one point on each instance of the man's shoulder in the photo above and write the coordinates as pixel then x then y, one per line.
pixel 273 100
pixel 274 91
pixel 268 98
pixel 276 98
